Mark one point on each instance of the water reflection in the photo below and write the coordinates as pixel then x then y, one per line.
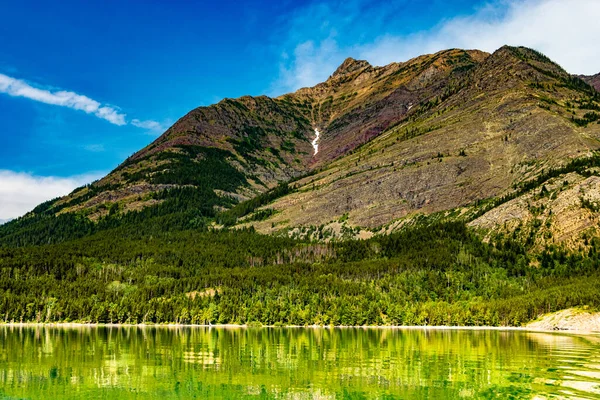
pixel 131 362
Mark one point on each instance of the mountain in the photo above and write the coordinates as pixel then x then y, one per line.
pixel 444 132
pixel 512 118
pixel 229 152
pixel 593 80
pixel 473 180
pixel 359 102
pixel 239 148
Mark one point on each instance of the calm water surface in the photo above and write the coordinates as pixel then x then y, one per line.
pixel 294 363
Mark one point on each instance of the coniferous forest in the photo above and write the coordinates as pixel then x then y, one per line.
pixel 173 268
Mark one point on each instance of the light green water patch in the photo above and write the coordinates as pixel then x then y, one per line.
pixel 294 363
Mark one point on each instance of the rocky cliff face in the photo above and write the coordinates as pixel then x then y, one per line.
pixel 359 102
pixel 457 132
pixel 488 131
pixel 268 141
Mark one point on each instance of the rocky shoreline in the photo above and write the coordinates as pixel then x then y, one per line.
pixel 572 319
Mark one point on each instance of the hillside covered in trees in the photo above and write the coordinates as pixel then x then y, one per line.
pixel 459 188
pixel 157 271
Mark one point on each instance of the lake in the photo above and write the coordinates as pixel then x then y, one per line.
pixel 294 363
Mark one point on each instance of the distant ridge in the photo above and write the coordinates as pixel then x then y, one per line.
pixel 593 80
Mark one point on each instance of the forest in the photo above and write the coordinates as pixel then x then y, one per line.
pixel 168 263
pixel 170 269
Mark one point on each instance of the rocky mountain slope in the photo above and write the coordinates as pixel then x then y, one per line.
pixel 239 148
pixel 515 115
pixel 593 80
pixel 359 102
pixel 234 149
pixel 465 133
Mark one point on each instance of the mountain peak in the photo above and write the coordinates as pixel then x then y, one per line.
pixel 350 65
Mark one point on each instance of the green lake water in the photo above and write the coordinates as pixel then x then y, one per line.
pixel 294 363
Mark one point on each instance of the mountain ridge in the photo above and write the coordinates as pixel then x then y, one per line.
pixel 593 80
pixel 518 98
pixel 472 181
pixel 269 137
pixel 439 132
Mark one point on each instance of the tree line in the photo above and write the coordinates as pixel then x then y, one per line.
pixel 429 274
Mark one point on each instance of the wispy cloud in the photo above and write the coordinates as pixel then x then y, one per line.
pixel 20 88
pixel 566 31
pixel 152 126
pixel 21 192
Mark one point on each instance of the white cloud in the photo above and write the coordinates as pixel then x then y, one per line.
pixel 152 126
pixel 20 192
pixel 566 31
pixel 312 63
pixel 19 88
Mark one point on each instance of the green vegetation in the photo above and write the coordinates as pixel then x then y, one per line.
pixel 156 271
pixel 587 118
pixel 177 208
pixel 230 217
pixel 192 165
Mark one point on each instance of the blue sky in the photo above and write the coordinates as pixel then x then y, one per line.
pixel 85 84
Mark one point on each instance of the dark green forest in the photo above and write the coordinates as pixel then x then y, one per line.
pixel 167 264
pixel 167 268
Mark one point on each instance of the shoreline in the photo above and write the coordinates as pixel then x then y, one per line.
pixel 245 326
